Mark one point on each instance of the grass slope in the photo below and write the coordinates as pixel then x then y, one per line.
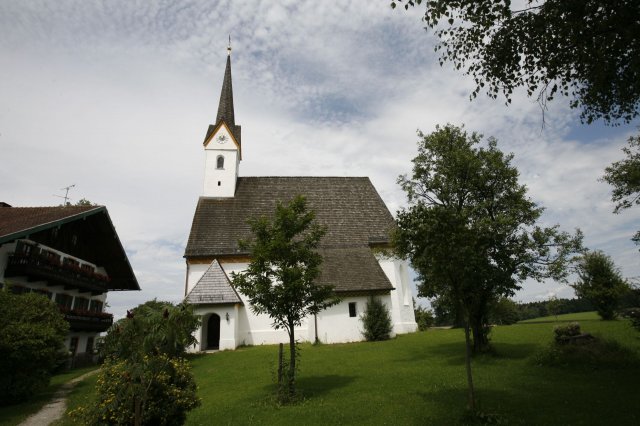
pixel 420 379
pixel 16 414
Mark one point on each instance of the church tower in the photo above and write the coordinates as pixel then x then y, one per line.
pixel 222 144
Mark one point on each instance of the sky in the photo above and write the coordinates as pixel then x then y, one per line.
pixel 115 97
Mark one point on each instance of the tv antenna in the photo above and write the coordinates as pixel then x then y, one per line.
pixel 66 194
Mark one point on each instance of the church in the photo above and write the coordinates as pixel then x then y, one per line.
pixel 357 259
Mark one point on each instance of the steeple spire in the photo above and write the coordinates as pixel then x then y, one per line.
pixel 225 107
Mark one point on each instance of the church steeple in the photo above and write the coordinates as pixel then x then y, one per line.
pixel 222 144
pixel 225 107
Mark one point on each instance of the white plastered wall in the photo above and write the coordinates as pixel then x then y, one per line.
pixel 334 324
pixel 402 315
pixel 221 182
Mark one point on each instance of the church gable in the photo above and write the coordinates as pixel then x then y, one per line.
pixel 213 288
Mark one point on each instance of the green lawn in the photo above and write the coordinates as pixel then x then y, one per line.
pixel 15 414
pixel 420 379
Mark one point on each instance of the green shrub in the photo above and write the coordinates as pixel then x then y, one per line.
pixel 160 388
pixel 424 318
pixel 593 354
pixel 563 332
pixel 376 320
pixel 632 314
pixel 144 379
pixel 32 333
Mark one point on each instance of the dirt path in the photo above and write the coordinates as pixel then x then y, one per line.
pixel 56 407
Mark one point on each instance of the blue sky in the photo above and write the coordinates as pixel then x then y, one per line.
pixel 116 96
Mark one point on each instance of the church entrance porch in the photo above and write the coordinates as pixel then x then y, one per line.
pixel 213 332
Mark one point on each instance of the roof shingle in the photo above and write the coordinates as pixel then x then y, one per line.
pixel 213 288
pixel 350 208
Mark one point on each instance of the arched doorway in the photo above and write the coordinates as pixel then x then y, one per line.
pixel 213 332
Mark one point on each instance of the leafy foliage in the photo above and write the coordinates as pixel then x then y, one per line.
pixel 32 334
pixel 624 176
pixel 153 327
pixel 600 281
pixel 280 280
pixel 424 317
pixel 586 49
pixel 161 387
pixel 376 320
pixel 144 379
pixel 470 231
pixel 503 311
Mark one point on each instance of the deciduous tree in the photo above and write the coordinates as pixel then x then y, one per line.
pixel 585 49
pixel 280 280
pixel 624 176
pixel 470 231
pixel 600 282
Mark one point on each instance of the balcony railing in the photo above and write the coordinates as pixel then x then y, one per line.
pixel 55 273
pixel 81 320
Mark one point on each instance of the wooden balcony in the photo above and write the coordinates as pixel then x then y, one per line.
pixel 80 320
pixel 38 268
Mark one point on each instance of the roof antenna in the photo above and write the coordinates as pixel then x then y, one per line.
pixel 229 46
pixel 66 194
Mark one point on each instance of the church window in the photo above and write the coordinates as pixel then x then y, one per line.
pixel 220 162
pixel 352 309
pixel 219 183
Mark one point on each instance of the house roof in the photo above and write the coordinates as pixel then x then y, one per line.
pixel 213 288
pixel 96 238
pixel 350 208
pixel 352 269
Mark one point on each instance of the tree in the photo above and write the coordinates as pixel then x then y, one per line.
pixel 376 321
pixel 600 282
pixel 470 231
pixel 280 279
pixel 624 176
pixel 145 380
pixel 503 311
pixel 586 49
pixel 554 306
pixel 32 334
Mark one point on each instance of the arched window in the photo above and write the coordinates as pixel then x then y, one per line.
pixel 220 162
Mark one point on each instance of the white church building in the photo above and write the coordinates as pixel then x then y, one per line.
pixel 355 249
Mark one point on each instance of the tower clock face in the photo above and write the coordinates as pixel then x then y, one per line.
pixel 222 138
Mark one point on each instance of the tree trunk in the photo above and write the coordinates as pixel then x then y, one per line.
pixel 292 361
pixel 480 340
pixel 471 403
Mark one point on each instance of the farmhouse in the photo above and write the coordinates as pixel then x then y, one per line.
pixel 71 255
pixel 356 259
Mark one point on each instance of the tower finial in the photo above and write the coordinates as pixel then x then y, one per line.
pixel 229 46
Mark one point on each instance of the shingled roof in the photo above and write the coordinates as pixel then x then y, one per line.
pixel 97 241
pixel 213 288
pixel 226 111
pixel 350 208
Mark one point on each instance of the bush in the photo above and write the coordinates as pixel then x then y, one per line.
pixel 632 314
pixel 32 334
pixel 591 355
pixel 563 332
pixel 161 389
pixel 144 379
pixel 376 320
pixel 424 318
